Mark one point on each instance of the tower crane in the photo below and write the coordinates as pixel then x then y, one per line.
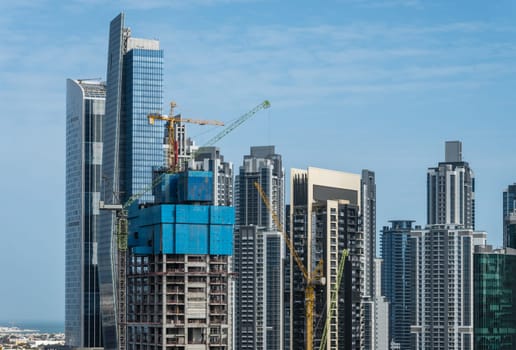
pixel 121 211
pixel 312 278
pixel 173 122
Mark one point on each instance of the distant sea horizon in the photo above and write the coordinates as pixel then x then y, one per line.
pixel 40 326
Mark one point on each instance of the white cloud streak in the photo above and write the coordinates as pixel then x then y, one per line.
pixel 303 65
pixel 384 3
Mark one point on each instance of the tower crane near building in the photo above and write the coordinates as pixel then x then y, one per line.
pixel 121 211
pixel 172 125
pixel 312 279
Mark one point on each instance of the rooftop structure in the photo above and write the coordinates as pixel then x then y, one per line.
pixel 451 190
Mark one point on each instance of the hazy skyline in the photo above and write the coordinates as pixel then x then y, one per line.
pixel 354 84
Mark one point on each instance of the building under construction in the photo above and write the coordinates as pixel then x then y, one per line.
pixel 178 281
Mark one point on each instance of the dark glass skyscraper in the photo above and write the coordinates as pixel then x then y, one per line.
pixel 494 299
pixel 398 280
pixel 509 217
pixel 509 200
pixel 84 116
pixel 132 147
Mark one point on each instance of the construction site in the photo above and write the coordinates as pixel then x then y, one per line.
pixel 174 286
pixel 178 281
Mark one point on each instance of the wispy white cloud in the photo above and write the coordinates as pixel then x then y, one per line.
pixel 304 65
pixel 384 3
pixel 159 4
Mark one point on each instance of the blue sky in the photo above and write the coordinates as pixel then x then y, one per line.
pixel 377 84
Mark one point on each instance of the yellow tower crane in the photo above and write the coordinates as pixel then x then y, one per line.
pixel 173 122
pixel 312 278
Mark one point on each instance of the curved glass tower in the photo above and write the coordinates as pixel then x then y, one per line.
pixel 84 116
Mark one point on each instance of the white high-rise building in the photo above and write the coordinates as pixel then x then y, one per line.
pixel 451 190
pixel 444 258
pixel 381 315
pixel 259 254
pixel 444 287
pixel 375 306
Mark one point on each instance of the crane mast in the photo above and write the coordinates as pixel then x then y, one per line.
pixel 312 278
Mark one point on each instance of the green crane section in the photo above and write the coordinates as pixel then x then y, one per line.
pixel 334 297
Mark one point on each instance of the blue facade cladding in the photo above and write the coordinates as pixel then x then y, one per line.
pixel 182 229
pixel 191 239
pixel 178 226
pixel 166 190
pixel 167 238
pixel 142 250
pixel 221 240
pixel 222 215
pixel 195 186
pixel 192 214
pixel 185 187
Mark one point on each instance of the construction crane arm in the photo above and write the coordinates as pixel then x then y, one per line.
pixel 200 121
pixel 227 130
pixel 177 119
pixel 289 243
pixel 264 105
